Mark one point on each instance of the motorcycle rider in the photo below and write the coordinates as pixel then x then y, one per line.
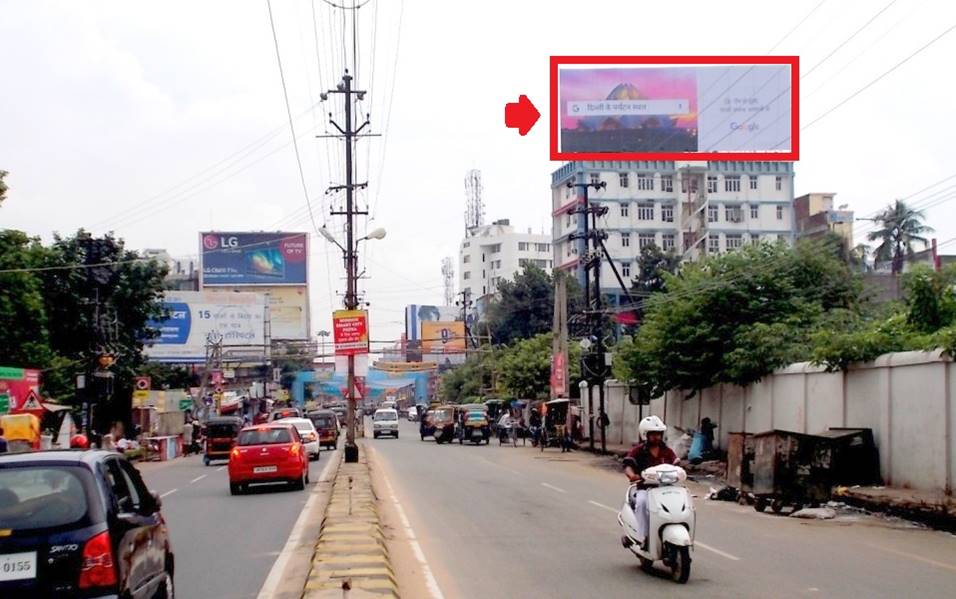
pixel 651 451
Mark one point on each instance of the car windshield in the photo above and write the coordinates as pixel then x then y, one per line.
pixel 265 436
pixel 323 421
pixel 476 416
pixel 385 416
pixel 38 497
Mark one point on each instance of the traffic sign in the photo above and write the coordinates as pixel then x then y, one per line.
pixel 32 402
pixel 140 396
pixel 142 383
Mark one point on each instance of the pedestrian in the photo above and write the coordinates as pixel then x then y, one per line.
pixel 188 437
pixel 3 442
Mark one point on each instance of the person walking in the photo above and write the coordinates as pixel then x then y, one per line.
pixel 3 442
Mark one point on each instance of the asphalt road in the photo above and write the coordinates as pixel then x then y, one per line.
pixel 225 546
pixel 515 522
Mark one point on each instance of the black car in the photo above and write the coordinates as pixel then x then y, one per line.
pixel 80 524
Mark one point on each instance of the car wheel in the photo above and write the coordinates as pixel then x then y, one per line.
pixel 235 488
pixel 375 435
pixel 167 588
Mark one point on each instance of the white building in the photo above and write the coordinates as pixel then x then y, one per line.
pixel 496 252
pixel 692 208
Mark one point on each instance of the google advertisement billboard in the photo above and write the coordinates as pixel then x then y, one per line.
pixel 672 108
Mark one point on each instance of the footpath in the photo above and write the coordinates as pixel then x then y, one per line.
pixel 351 559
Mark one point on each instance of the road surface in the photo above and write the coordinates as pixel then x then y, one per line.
pixel 515 522
pixel 225 546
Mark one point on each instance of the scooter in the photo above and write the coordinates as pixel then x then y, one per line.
pixel 672 522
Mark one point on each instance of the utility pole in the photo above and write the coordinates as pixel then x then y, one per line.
pixel 464 303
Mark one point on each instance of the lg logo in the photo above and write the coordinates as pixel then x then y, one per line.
pixel 211 242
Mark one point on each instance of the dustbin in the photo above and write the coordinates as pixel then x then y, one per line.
pixel 790 468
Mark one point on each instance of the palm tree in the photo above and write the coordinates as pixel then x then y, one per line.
pixel 900 226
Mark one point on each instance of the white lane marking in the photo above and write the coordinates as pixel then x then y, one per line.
pixel 170 492
pixel 602 506
pixel 484 459
pixel 553 488
pixel 295 537
pixel 220 469
pixel 717 551
pixel 198 478
pixel 913 556
pixel 430 581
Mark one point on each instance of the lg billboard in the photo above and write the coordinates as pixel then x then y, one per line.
pixel 254 258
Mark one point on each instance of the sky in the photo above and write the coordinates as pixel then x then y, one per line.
pixel 160 119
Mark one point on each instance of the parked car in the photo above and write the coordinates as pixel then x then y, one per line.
pixel 268 453
pixel 327 423
pixel 310 436
pixel 80 524
pixel 385 422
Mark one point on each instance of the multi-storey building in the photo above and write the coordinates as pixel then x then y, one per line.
pixel 495 252
pixel 694 208
pixel 815 216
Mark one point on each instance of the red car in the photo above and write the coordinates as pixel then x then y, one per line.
pixel 268 453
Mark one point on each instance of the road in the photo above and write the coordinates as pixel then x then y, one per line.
pixel 225 546
pixel 515 522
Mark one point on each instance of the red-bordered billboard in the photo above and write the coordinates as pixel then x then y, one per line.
pixel 675 108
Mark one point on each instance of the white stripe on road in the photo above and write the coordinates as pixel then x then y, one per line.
pixel 220 469
pixel 602 506
pixel 170 492
pixel 295 537
pixel 198 478
pixel 553 488
pixel 729 556
pixel 430 581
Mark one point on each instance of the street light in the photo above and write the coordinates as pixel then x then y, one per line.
pixel 330 238
pixel 378 233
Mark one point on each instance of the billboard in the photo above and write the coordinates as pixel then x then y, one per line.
pixel 350 332
pixel 416 314
pixel 288 308
pixel 239 319
pixel 16 385
pixel 673 108
pixel 443 337
pixel 253 258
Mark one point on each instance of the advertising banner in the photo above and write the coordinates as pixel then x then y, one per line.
pixel 416 314
pixel 443 337
pixel 195 315
pixel 675 108
pixel 288 308
pixel 350 331
pixel 17 384
pixel 254 258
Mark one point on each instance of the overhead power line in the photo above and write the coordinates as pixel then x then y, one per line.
pixel 797 26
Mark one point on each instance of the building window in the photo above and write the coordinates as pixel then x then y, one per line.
pixel 753 181
pixel 645 182
pixel 754 239
pixel 667 183
pixel 644 240
pixel 624 211
pixel 734 242
pixel 667 213
pixel 625 240
pixel 495 248
pixel 732 183
pixel 733 214
pixel 754 212
pixel 624 180
pixel 667 242
pixel 711 183
pixel 778 182
pixel 466 259
pixel 467 275
pixel 568 221
pixel 484 275
pixel 712 213
pixel 595 178
pixel 713 244
pixel 543 247
pixel 482 257
pixel 541 263
pixel 645 211
pixel 522 246
pixel 626 270
pixel 779 212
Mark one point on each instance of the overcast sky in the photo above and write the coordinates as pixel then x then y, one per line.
pixel 119 115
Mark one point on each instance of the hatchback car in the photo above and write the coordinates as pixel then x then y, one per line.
pixel 327 423
pixel 80 524
pixel 268 453
pixel 281 413
pixel 385 422
pixel 308 434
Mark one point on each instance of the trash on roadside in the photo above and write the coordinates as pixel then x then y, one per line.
pixel 815 513
pixel 723 494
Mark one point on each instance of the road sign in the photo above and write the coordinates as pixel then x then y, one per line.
pixel 216 377
pixel 350 331
pixel 140 396
pixel 142 383
pixel 32 402
pixel 4 403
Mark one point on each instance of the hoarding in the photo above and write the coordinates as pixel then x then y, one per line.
pixel 239 319
pixel 673 108
pixel 288 308
pixel 416 314
pixel 350 332
pixel 16 384
pixel 443 337
pixel 254 258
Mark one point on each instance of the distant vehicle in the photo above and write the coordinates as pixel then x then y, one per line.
pixel 281 413
pixel 268 453
pixel 385 422
pixel 413 414
pixel 340 412
pixel 221 433
pixel 310 436
pixel 327 423
pixel 80 524
pixel 388 405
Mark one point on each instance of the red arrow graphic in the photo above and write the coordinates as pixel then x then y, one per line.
pixel 521 115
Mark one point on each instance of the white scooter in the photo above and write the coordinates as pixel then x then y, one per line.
pixel 672 521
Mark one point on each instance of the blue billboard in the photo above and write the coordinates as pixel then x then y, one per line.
pixel 254 258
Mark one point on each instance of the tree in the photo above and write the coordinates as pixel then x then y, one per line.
pixel 524 307
pixel 651 266
pixel 25 338
pixel 3 186
pixel 524 369
pixel 930 301
pixel 900 227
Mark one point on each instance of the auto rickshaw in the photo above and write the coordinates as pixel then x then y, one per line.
pixel 440 424
pixel 472 425
pixel 22 432
pixel 221 433
pixel 555 432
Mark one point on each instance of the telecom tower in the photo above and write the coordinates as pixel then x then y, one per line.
pixel 474 206
pixel 448 276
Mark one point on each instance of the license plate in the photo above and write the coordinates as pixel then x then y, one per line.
pixel 264 469
pixel 18 566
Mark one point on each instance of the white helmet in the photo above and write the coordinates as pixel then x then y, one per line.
pixel 650 424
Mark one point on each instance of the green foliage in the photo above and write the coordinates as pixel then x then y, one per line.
pixel 899 227
pixel 652 263
pixel 25 338
pixel 524 369
pixel 3 186
pixel 852 339
pixel 461 383
pixel 931 303
pixel 524 307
